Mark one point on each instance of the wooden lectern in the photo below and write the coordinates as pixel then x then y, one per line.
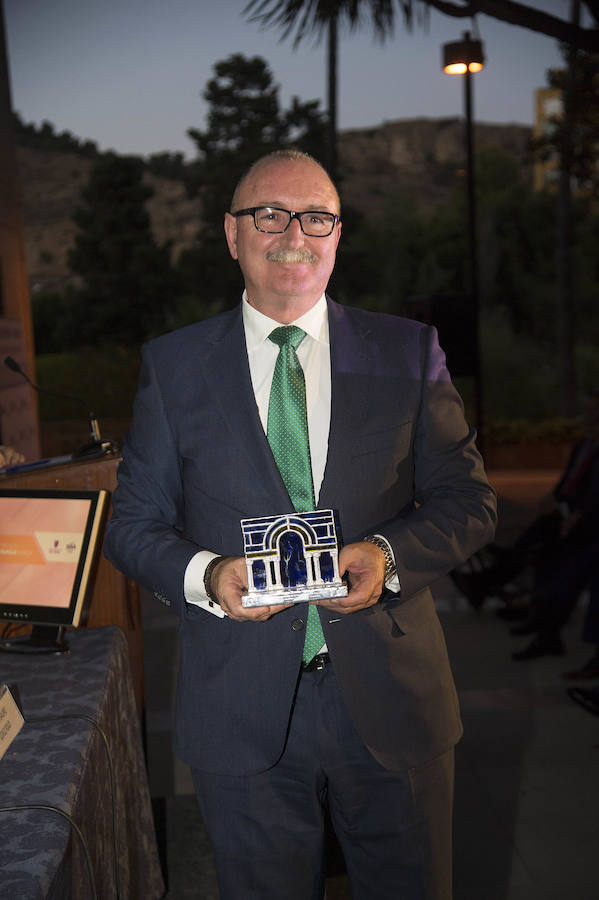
pixel 115 599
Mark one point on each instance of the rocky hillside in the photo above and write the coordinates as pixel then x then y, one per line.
pixel 418 157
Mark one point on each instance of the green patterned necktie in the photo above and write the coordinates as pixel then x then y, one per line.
pixel 287 433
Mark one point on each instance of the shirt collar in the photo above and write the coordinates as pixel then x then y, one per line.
pixel 258 326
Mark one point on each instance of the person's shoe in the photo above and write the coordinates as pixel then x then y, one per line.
pixel 588 671
pixel 541 645
pixel 585 697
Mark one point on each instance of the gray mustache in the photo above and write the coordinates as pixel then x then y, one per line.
pixel 291 256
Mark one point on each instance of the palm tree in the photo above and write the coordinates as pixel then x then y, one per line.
pixel 320 16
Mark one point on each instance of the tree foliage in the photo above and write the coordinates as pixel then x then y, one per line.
pixel 126 278
pixel 313 16
pixel 167 165
pixel 45 137
pixel 572 135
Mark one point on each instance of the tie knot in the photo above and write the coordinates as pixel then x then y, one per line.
pixel 287 335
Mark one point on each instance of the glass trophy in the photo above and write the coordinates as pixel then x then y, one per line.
pixel 293 558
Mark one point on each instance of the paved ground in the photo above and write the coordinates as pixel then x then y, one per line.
pixel 527 769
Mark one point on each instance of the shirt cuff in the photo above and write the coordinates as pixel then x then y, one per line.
pixel 193 583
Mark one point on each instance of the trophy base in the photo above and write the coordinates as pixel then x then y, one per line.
pixel 299 594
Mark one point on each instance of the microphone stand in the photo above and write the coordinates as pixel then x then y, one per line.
pixel 96 446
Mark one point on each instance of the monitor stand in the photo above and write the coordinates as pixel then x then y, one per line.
pixel 43 639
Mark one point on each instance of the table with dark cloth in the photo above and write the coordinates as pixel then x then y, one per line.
pixel 80 722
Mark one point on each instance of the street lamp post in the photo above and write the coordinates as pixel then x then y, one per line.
pixel 466 57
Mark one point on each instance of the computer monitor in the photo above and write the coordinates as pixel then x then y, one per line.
pixel 49 546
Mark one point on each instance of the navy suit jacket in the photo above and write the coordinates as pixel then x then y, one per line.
pixel 401 462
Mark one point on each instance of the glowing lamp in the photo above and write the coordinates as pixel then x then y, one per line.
pixel 463 56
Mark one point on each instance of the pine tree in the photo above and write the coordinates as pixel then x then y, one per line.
pixel 127 279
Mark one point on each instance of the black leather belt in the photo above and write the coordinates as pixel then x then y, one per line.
pixel 320 661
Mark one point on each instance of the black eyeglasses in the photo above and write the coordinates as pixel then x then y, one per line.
pixel 274 220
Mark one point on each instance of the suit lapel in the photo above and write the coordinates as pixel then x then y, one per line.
pixel 351 384
pixel 227 371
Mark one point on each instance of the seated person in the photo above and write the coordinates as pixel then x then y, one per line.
pixel 554 597
pixel 552 530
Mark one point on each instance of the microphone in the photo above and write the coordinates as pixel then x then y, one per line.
pixel 96 446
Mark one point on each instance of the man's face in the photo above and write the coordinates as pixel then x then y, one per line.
pixel 275 286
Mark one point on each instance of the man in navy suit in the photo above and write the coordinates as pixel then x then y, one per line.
pixel 366 729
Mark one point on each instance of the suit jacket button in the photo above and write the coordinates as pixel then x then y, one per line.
pixel 297 624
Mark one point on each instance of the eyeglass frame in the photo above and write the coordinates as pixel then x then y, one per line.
pixel 252 210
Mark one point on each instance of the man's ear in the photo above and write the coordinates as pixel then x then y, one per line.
pixel 338 226
pixel 231 234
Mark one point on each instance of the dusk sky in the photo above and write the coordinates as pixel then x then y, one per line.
pixel 129 74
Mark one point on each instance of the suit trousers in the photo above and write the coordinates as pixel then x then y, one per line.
pixel 394 827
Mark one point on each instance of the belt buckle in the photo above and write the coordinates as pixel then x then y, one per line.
pixel 317 663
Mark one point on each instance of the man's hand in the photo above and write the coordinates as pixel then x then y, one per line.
pixel 365 564
pixel 9 456
pixel 228 581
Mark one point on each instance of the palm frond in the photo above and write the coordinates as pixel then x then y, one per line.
pixel 306 17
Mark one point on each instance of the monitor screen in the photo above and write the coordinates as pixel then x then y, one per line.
pixel 49 543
